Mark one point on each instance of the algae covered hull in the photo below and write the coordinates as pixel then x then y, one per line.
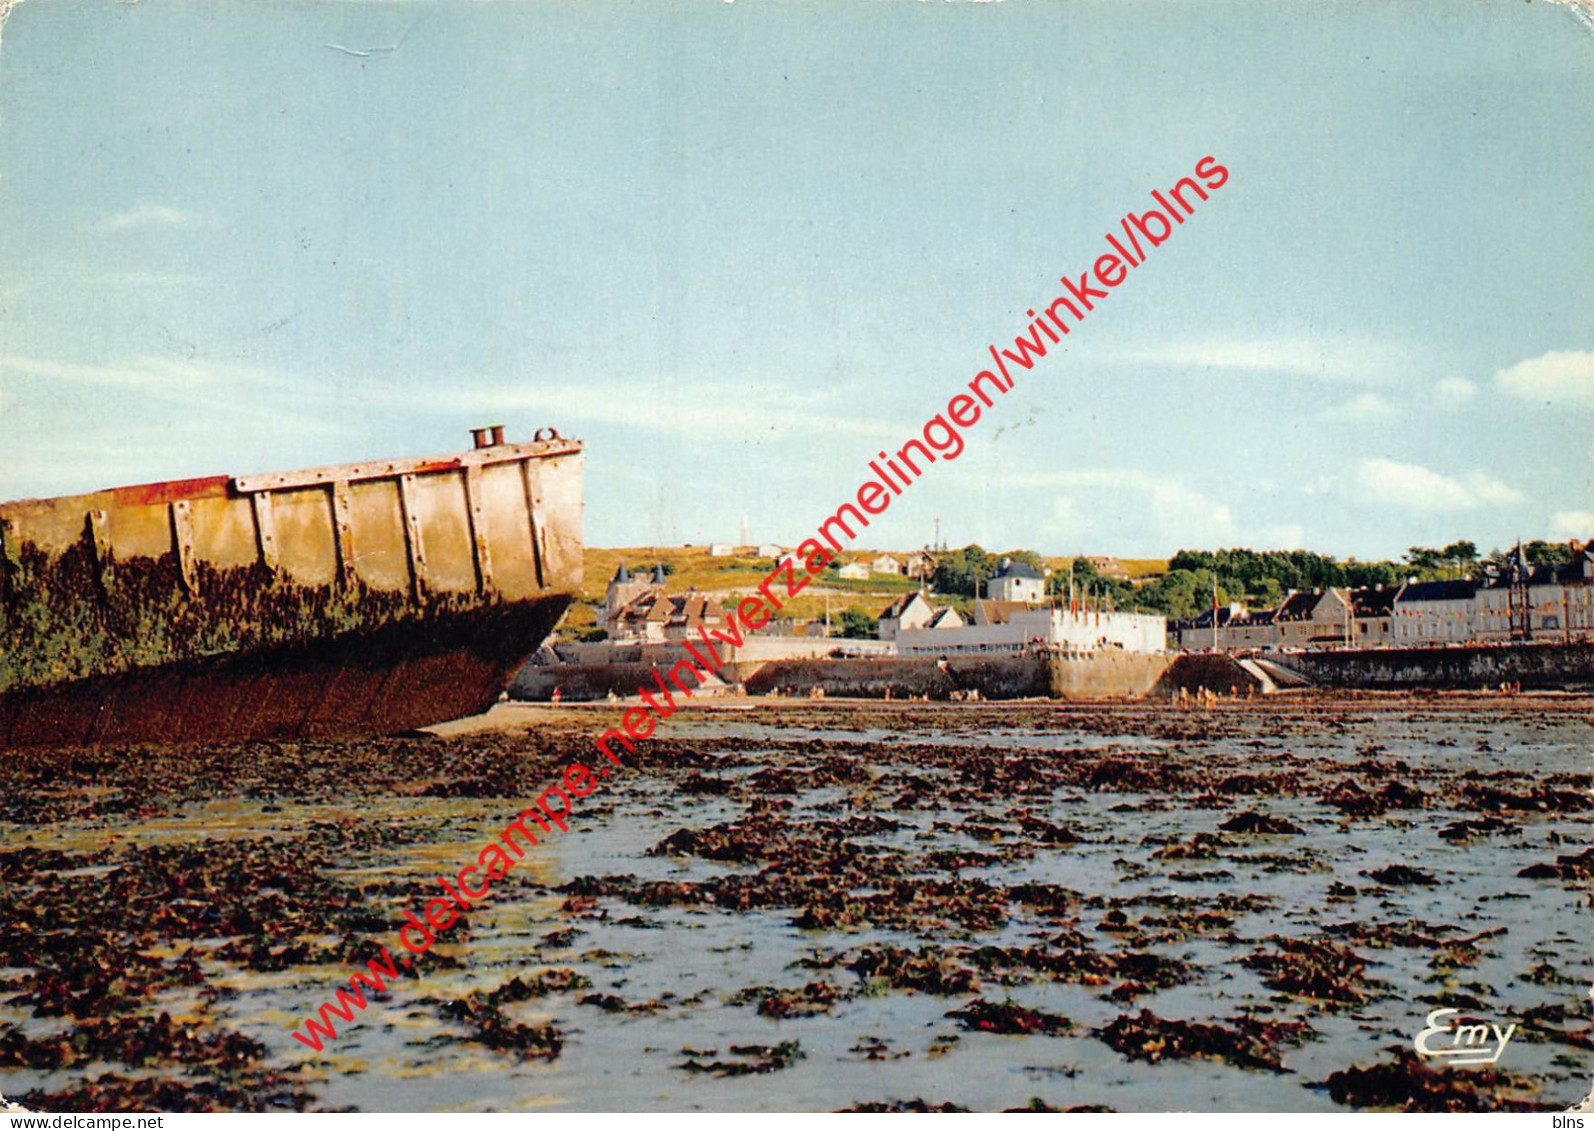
pixel 338 601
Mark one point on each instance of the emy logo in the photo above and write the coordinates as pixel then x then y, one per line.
pixel 1467 1045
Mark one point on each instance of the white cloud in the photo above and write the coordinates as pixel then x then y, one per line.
pixel 1574 524
pixel 167 378
pixel 1558 377
pixel 1175 509
pixel 699 411
pixel 1418 488
pixel 151 215
pixel 1454 391
pixel 1331 358
pixel 1288 536
pixel 708 411
pixel 1362 407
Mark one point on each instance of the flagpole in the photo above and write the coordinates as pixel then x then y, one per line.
pixel 1214 612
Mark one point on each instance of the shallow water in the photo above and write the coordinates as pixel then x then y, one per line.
pixel 880 1044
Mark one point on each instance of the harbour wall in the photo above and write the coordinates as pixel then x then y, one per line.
pixel 1106 674
pixel 1534 666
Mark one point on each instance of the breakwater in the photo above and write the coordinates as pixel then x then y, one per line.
pixel 1474 667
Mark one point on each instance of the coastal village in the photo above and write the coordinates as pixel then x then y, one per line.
pixel 884 607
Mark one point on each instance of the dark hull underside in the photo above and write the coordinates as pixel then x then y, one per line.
pixel 398 677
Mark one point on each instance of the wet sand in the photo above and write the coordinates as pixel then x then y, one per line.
pixel 819 906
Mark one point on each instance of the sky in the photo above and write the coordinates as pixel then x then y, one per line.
pixel 738 248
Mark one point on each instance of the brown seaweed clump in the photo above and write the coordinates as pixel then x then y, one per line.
pixel 1314 969
pixel 752 1060
pixel 923 970
pixel 1403 875
pixel 1408 1084
pixel 135 1041
pixel 983 1016
pixel 1354 801
pixel 806 1001
pixel 1578 867
pixel 898 1106
pixel 496 1029
pixel 1247 1043
pixel 1252 823
pixel 255 1092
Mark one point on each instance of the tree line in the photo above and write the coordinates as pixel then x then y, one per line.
pixel 1258 578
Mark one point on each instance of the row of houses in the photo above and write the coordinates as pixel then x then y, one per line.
pixel 1519 601
pixel 915 565
pixel 636 607
pixel 1318 618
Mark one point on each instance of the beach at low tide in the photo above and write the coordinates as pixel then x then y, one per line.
pixel 811 906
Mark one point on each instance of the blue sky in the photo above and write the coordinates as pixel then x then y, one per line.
pixel 740 247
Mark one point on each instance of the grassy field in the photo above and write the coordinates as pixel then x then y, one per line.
pixel 1138 569
pixel 695 568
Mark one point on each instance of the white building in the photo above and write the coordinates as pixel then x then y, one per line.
pixel 885 563
pixel 1016 581
pixel 1029 628
pixel 1539 602
pixel 854 571
pixel 1434 612
pixel 909 612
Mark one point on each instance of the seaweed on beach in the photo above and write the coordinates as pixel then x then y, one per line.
pixel 1576 867
pixel 750 1060
pixel 909 866
pixel 1245 1042
pixel 926 970
pixel 1314 969
pixel 252 1092
pixel 808 1000
pixel 983 1016
pixel 1407 1083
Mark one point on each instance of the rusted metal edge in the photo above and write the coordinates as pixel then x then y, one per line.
pixel 170 491
pixel 219 486
pixel 384 469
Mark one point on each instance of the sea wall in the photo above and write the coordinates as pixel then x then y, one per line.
pixel 582 683
pixel 1107 674
pixel 1539 666
pixel 1103 675
pixel 1213 671
pixel 993 677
